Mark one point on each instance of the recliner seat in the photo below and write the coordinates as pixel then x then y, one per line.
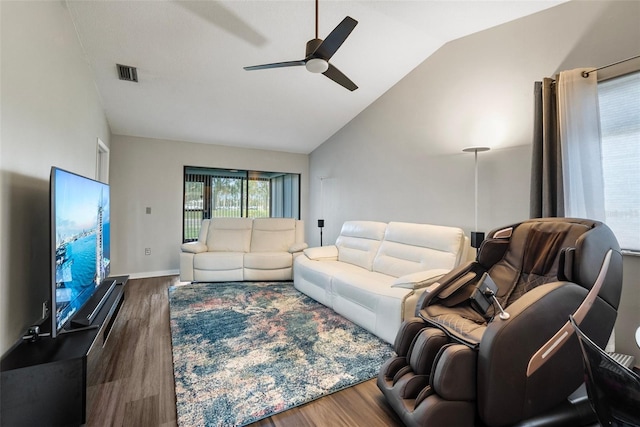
pixel 457 366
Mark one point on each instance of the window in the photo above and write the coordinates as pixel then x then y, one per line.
pixel 216 193
pixel 619 100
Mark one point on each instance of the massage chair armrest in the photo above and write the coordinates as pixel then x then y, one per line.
pixel 457 286
pixel 194 247
pixel 447 286
pixel 537 315
pixel 508 346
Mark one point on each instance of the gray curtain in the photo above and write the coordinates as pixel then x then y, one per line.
pixel 547 195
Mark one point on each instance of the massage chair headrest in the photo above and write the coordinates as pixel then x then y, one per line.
pixel 585 244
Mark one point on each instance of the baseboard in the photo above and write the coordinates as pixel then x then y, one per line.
pixel 146 274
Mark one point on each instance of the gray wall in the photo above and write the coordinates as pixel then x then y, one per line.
pixel 401 158
pixel 149 173
pixel 51 115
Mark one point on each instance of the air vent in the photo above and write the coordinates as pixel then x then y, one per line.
pixel 128 73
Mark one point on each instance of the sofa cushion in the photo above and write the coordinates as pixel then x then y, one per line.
pixel 268 260
pixel 313 278
pixel 229 234
pixel 410 248
pixel 364 288
pixel 204 230
pixel 359 241
pixel 214 261
pixel 273 234
pixel 367 299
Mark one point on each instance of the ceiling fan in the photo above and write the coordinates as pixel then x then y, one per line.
pixel 319 52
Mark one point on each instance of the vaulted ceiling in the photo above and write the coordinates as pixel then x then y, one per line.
pixel 190 56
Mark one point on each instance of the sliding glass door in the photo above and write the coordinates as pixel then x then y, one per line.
pixel 216 193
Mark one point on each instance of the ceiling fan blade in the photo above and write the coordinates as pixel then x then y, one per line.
pixel 276 65
pixel 335 39
pixel 336 75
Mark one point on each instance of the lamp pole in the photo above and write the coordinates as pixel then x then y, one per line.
pixel 321 221
pixel 476 236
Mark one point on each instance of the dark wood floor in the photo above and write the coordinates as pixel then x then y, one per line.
pixel 134 384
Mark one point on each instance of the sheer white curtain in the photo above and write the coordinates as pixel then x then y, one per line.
pixel 579 129
pixel 581 154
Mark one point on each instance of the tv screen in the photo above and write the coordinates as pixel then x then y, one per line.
pixel 80 226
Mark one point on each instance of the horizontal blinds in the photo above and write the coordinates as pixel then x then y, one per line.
pixel 619 103
pixel 193 212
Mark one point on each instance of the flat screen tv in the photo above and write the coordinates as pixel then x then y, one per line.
pixel 80 249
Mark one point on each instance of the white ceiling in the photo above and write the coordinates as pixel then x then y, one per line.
pixel 190 55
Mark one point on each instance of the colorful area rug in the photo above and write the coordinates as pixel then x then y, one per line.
pixel 246 351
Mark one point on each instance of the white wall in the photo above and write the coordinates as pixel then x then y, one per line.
pixel 149 173
pixel 51 115
pixel 401 158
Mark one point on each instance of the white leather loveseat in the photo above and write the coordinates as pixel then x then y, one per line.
pixel 237 249
pixel 375 272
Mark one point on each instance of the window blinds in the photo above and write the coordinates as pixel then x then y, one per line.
pixel 619 103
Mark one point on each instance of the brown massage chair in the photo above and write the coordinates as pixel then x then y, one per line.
pixel 491 343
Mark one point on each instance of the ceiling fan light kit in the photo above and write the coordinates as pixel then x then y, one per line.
pixel 317 65
pixel 319 52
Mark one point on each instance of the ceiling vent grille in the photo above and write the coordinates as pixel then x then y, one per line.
pixel 128 73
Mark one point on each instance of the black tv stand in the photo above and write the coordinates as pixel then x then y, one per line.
pixel 45 382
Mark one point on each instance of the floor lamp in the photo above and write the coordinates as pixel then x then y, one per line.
pixel 476 236
pixel 321 221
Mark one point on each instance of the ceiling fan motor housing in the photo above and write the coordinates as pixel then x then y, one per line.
pixel 312 45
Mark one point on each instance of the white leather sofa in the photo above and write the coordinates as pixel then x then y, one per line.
pixel 375 272
pixel 237 249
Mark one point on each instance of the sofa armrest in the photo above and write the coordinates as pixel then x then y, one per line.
pixel 298 247
pixel 420 279
pixel 322 253
pixel 194 247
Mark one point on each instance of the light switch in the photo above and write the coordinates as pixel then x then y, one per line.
pixel 148 211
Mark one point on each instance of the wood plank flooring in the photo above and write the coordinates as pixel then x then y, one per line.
pixel 133 385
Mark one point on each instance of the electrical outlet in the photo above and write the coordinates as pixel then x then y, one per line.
pixel 45 309
pixel 147 251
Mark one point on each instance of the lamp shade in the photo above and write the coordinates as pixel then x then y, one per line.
pixel 475 149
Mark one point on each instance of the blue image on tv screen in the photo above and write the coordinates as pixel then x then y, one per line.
pixel 81 229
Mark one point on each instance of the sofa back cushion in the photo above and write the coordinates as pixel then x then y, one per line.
pixel 229 234
pixel 273 234
pixel 300 231
pixel 409 248
pixel 204 231
pixel 359 241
